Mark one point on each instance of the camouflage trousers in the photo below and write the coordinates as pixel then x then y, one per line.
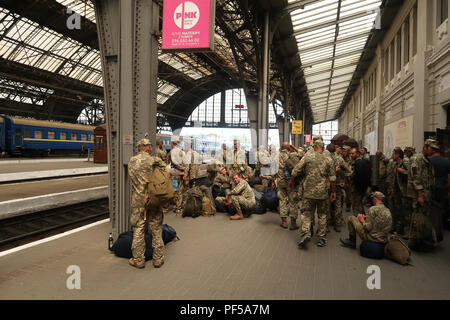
pixel 335 213
pixel 239 203
pixel 139 223
pixel 308 208
pixel 183 187
pixel 289 201
pixel 401 215
pixel 422 228
pixel 356 227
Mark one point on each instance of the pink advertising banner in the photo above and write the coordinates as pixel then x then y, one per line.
pixel 307 138
pixel 188 25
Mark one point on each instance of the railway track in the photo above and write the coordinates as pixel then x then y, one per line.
pixel 24 229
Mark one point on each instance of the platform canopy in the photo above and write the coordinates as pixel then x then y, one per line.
pixel 331 37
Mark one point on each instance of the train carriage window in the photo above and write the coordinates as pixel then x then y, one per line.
pixel 74 136
pixel 27 133
pixel 52 135
pixel 83 137
pixel 38 134
pixel 63 136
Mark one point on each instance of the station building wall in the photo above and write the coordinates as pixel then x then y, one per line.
pixel 406 90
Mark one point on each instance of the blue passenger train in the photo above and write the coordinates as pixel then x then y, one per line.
pixel 27 136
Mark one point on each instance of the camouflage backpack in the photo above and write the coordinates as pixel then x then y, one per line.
pixel 193 203
pixel 160 188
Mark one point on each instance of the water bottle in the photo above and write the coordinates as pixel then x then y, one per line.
pixel 110 242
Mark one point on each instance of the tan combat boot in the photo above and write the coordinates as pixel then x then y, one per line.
pixel 284 223
pixel 237 216
pixel 134 264
pixel 294 225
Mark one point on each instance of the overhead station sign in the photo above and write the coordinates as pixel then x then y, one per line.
pixel 188 25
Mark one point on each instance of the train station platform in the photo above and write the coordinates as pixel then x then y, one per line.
pixel 219 259
pixel 26 197
pixel 41 166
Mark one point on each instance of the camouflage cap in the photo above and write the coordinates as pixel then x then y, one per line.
pixel 143 142
pixel 410 149
pixel 175 140
pixel 319 144
pixel 317 137
pixel 432 143
pixel 377 194
pixel 346 147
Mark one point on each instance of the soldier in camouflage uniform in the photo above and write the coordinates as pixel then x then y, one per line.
pixel 176 157
pixel 345 153
pixel 374 226
pixel 335 217
pixel 420 183
pixel 162 154
pixel 318 173
pixel 192 161
pixel 139 170
pixel 237 161
pixel 222 179
pixel 402 206
pixel 288 197
pixel 241 198
pixel 160 151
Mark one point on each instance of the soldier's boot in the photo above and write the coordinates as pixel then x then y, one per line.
pixel 303 241
pixel 135 264
pixel 237 216
pixel 349 242
pixel 158 264
pixel 284 223
pixel 294 225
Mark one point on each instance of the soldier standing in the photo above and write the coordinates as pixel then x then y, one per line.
pixel 160 151
pixel 400 183
pixel 420 183
pixel 237 161
pixel 176 157
pixel 345 153
pixel 318 173
pixel 288 197
pixel 139 170
pixel 335 217
pixel 361 173
pixel 192 162
pixel 374 226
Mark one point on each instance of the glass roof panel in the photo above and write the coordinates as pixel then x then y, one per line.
pixel 331 35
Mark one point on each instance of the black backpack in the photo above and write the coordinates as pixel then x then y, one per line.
pixel 270 199
pixel 259 208
pixel 193 203
pixel 122 246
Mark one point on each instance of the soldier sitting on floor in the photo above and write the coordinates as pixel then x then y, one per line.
pixel 373 227
pixel 241 198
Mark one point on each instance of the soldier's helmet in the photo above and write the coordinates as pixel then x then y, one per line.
pixel 432 143
pixel 377 194
pixel 143 142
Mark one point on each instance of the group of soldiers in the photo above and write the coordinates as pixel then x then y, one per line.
pixel 310 180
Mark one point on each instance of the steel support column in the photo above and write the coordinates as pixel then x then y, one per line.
pixel 263 101
pixel 129 61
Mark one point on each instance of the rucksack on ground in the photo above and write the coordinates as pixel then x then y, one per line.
pixel 160 188
pixel 258 208
pixel 122 246
pixel 193 203
pixel 372 250
pixel 397 251
pixel 208 207
pixel 270 199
